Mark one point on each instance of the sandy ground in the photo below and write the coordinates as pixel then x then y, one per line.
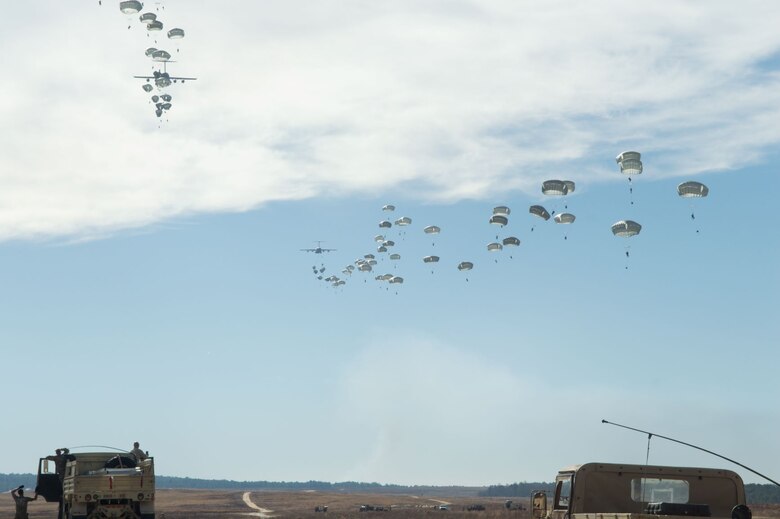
pixel 213 504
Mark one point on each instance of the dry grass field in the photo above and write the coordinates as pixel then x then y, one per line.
pixel 212 504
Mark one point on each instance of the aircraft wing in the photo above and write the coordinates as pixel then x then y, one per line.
pixel 308 250
pixel 169 77
pixel 328 250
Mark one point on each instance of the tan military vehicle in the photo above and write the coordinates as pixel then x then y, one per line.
pixel 616 491
pixel 100 485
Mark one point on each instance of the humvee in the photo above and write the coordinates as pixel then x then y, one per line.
pixel 616 491
pixel 100 485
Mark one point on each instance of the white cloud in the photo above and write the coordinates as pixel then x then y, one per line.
pixel 453 100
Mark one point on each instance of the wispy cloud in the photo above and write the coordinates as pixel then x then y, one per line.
pixel 445 100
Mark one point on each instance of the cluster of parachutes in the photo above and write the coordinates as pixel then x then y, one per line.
pixel 153 25
pixel 630 164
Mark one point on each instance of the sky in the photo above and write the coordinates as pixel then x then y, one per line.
pixel 153 287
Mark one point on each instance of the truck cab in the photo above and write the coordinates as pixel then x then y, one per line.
pixel 617 491
pixel 100 485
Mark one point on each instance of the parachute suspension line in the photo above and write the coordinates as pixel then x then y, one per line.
pixel 695 447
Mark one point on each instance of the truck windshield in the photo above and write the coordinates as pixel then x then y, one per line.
pixel 562 493
pixel 651 490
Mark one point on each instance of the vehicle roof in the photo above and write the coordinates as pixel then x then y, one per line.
pixel 596 466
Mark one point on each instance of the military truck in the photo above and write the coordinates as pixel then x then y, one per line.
pixel 616 491
pixel 99 485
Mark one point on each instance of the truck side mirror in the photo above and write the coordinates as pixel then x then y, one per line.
pixel 539 505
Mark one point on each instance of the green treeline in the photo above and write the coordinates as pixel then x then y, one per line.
pixel 755 493
pixel 516 489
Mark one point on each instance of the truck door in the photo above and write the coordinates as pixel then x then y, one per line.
pixel 562 496
pixel 49 484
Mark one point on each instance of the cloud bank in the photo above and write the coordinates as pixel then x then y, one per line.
pixel 430 100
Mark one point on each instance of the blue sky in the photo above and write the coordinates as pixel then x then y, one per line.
pixel 154 290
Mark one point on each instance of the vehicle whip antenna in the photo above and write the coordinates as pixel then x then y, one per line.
pixel 695 447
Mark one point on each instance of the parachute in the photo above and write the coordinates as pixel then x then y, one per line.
pixel 498 219
pixel 431 259
pixel 396 280
pixel 465 266
pixel 161 55
pixel 501 210
pixel 692 190
pixel 432 229
pixel 555 188
pixel 147 87
pixel 156 25
pixel 148 18
pixel 403 221
pixel 131 7
pixel 626 229
pixel 381 248
pixel 541 212
pixel 494 247
pixel 630 163
pixel 395 257
pixel 385 224
pixel 564 218
pixel 511 241
pixel 379 238
pixel 176 34
pixel 150 51
pixel 389 243
pixel 388 208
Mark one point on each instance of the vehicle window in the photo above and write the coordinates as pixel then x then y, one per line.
pixel 562 493
pixel 652 490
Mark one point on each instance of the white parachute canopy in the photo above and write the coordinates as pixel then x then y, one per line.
pixel 403 221
pixel 555 188
pixel 131 7
pixel 396 280
pixel 692 190
pixel 541 212
pixel 630 162
pixel 565 218
pixel 431 259
pixel 147 18
pixel 385 224
pixel 498 219
pixel 176 34
pixel 395 257
pixel 511 241
pixel 161 55
pixel 379 238
pixel 432 229
pixel 494 247
pixel 465 265
pixel 626 228
pixel 388 208
pixel 501 210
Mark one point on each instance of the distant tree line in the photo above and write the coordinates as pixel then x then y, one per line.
pixel 755 493
pixel 9 481
pixel 516 489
